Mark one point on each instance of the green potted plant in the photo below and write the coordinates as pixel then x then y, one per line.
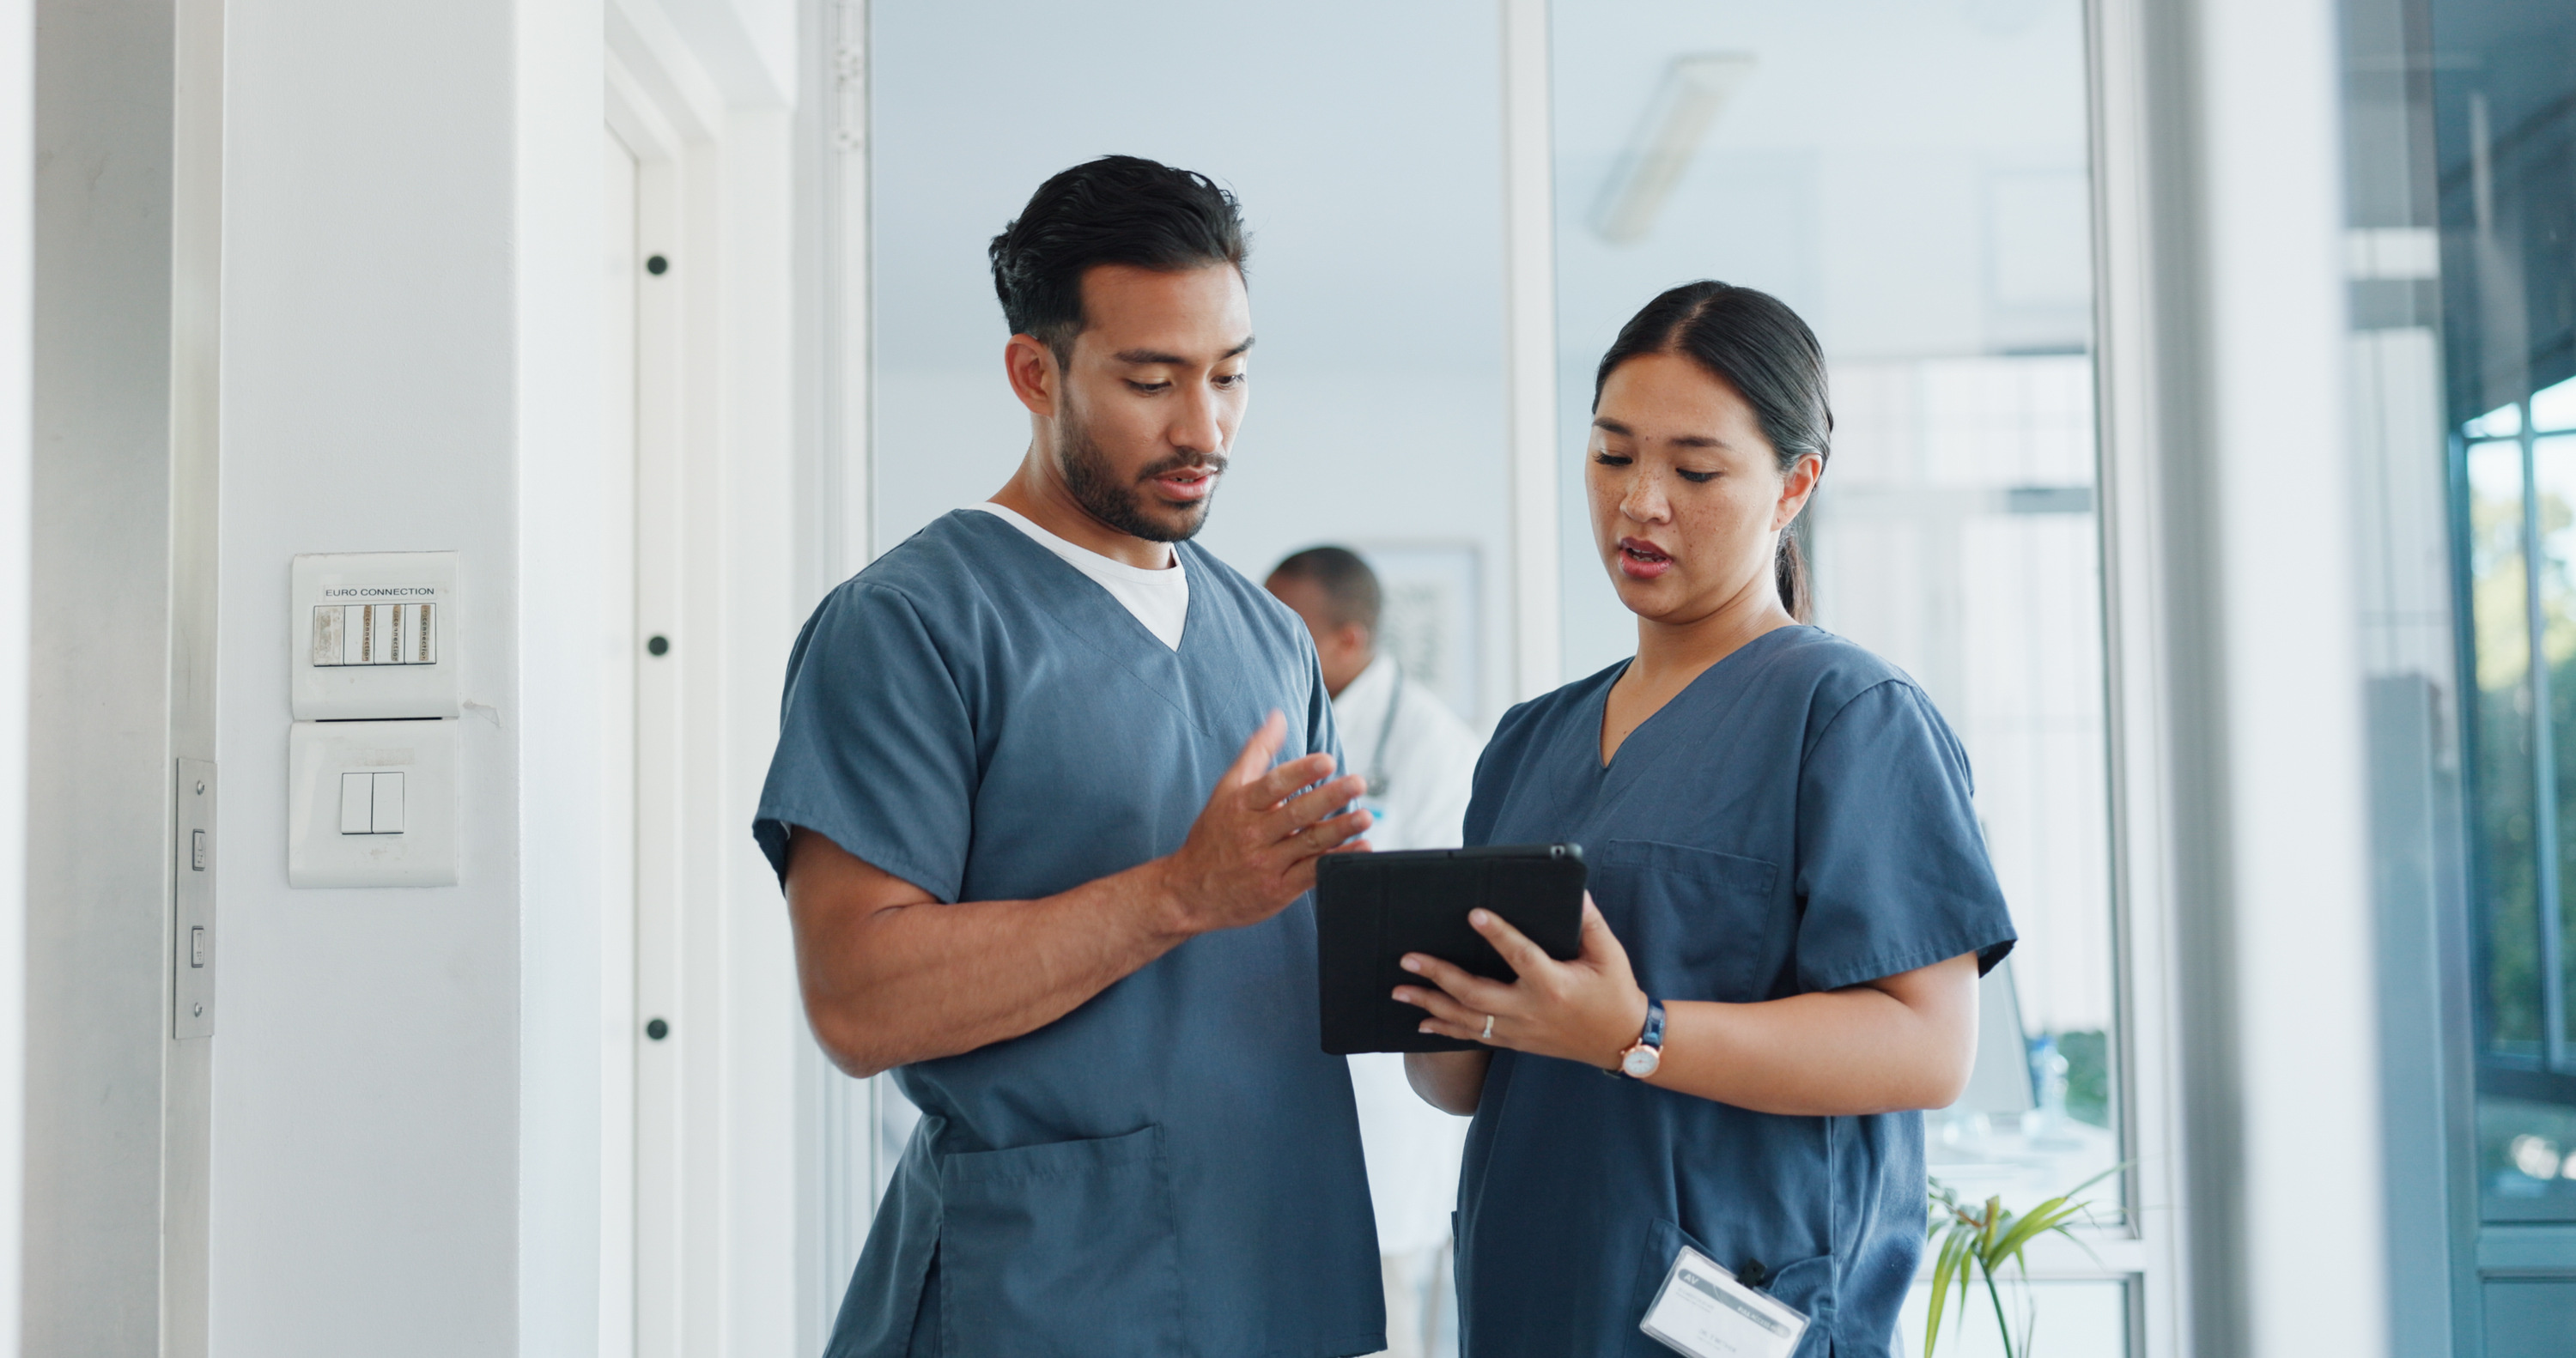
pixel 1976 1242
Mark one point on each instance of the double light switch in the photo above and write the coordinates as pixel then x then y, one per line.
pixel 371 803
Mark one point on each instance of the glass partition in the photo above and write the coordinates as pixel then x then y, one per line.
pixel 2519 498
pixel 2504 154
pixel 1913 179
pixel 1365 144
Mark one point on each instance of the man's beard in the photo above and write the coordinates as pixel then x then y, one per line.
pixel 1095 486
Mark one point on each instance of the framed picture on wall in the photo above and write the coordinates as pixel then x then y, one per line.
pixel 1429 622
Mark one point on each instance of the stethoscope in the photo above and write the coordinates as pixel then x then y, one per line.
pixel 1377 761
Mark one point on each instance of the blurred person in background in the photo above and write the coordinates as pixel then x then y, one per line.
pixel 1420 762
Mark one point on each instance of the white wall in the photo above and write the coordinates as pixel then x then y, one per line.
pixel 408 1104
pixel 17 137
pixel 366 1143
pixel 746 47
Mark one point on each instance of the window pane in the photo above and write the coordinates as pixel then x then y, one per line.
pixel 2554 409
pixel 2553 467
pixel 2503 422
pixel 2503 182
pixel 2526 1159
pixel 2506 813
pixel 1913 180
pixel 2087 1319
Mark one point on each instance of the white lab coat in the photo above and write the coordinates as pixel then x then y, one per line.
pixel 1427 759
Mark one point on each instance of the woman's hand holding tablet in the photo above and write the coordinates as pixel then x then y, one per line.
pixel 1589 1009
pixel 1373 909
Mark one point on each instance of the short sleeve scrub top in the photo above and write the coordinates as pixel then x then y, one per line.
pixel 1796 820
pixel 1173 1168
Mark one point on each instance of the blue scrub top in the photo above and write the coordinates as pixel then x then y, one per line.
pixel 1174 1167
pixel 1798 819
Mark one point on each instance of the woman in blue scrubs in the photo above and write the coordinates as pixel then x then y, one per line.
pixel 1791 901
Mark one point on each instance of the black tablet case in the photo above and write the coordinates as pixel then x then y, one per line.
pixel 1373 908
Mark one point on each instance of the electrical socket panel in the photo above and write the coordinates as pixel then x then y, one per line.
pixel 374 635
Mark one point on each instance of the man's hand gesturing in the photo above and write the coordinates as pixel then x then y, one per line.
pixel 1253 850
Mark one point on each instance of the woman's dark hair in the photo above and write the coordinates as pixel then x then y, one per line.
pixel 1114 210
pixel 1754 343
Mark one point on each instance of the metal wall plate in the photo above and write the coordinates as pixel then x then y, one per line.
pixel 192 936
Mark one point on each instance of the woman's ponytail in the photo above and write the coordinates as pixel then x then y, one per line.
pixel 1789 571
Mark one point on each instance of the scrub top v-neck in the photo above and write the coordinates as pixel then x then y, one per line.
pixel 1797 819
pixel 1174 1167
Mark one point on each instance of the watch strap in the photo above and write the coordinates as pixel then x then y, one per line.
pixel 1651 1036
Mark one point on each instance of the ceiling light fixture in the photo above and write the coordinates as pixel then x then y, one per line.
pixel 1685 105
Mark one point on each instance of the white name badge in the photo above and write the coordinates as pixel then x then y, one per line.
pixel 1702 1311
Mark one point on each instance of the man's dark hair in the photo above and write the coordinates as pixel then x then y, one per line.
pixel 1114 210
pixel 1350 588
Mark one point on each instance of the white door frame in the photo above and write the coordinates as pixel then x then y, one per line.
pixel 650 1291
pixel 705 1263
pixel 619 363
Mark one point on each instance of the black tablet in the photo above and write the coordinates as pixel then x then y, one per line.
pixel 1373 908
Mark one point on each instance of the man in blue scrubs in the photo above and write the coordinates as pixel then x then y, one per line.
pixel 1042 866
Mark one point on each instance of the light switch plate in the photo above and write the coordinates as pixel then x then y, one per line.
pixel 374 634
pixel 423 853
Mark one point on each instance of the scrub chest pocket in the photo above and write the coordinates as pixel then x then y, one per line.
pixel 1060 1249
pixel 1697 924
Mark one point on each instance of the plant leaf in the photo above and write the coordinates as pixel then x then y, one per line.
pixel 1945 1270
pixel 1991 1237
pixel 2048 1216
pixel 1995 1218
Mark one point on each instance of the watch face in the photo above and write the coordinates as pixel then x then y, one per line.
pixel 1641 1061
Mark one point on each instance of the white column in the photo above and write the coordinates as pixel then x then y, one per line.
pixel 2225 405
pixel 561 572
pixel 1529 348
pixel 2282 624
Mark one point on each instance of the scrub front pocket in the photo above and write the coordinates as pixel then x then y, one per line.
pixel 1805 1286
pixel 1063 1249
pixel 1697 924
